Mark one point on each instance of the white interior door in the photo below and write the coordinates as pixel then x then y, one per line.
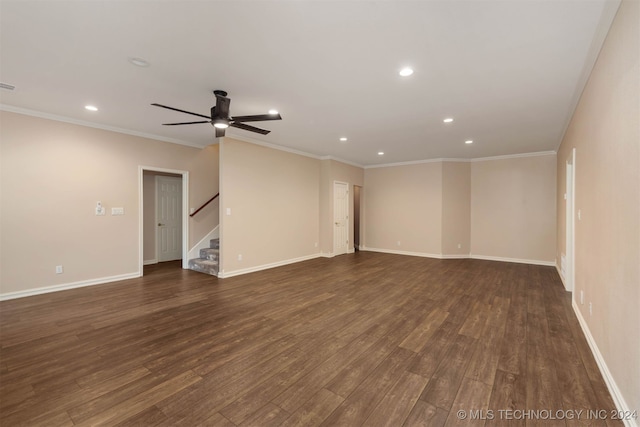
pixel 169 218
pixel 340 217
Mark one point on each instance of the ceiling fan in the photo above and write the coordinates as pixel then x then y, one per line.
pixel 220 118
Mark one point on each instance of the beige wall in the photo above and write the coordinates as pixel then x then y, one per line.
pixel 605 131
pixel 403 204
pixel 494 208
pixel 330 171
pixel 274 200
pixel 52 175
pixel 513 208
pixel 456 208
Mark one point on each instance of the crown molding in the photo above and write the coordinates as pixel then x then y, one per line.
pixel 474 160
pixel 417 162
pixel 291 150
pixel 515 156
pixel 270 145
pixel 346 162
pixel 609 12
pixel 64 119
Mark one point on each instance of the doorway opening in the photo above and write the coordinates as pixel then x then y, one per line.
pixel 570 197
pixel 340 218
pixel 356 217
pixel 163 216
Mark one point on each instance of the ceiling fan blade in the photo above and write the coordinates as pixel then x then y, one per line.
pixel 222 106
pixel 219 132
pixel 249 128
pixel 185 123
pixel 181 111
pixel 257 118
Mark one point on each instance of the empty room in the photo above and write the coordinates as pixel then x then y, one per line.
pixel 335 213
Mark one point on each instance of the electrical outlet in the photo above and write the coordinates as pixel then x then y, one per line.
pixel 59 269
pixel 316 244
pixel 239 257
pixel 590 309
pixel 459 246
pixel 582 297
pixel 398 242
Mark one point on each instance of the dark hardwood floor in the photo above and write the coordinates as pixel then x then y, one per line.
pixel 365 339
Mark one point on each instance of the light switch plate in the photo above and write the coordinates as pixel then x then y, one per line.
pixel 117 211
pixel 100 210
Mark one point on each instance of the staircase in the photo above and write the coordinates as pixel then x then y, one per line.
pixel 208 261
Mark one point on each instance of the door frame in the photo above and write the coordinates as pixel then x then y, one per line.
pixel 333 216
pixel 570 221
pixel 185 213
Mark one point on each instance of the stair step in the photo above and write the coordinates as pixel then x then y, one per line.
pixel 204 266
pixel 214 243
pixel 210 254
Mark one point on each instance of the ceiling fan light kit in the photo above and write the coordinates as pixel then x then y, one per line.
pixel 221 124
pixel 221 119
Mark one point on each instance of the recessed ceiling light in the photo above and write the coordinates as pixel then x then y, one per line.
pixel 405 72
pixel 273 112
pixel 448 120
pixel 343 139
pixel 468 141
pixel 91 108
pixel 380 153
pixel 139 62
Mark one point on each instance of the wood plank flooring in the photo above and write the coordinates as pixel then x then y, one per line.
pixel 364 339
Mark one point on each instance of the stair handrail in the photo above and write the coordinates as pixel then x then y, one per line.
pixel 205 204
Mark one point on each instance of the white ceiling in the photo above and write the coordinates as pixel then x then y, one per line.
pixel 509 73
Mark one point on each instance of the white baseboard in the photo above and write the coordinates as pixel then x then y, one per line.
pixel 460 256
pixel 331 254
pixel 227 274
pixel 149 261
pixel 560 274
pixel 396 252
pixel 65 286
pixel 516 260
pixel 616 395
